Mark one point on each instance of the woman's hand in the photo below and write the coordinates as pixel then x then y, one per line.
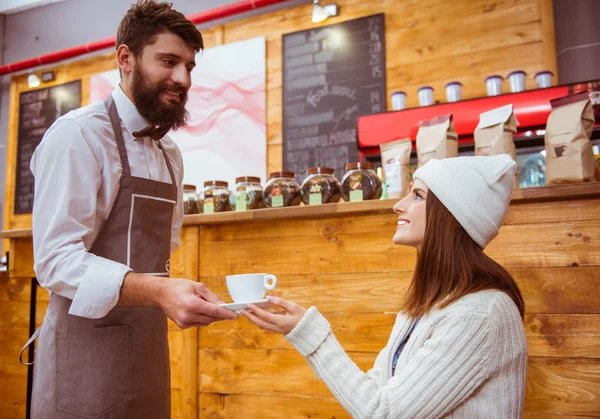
pixel 280 321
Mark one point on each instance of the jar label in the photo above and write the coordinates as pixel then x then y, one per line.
pixel 209 208
pixel 240 202
pixel 315 199
pixel 277 201
pixel 356 182
pixel 356 196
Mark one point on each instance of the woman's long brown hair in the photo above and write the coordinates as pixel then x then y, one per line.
pixel 451 265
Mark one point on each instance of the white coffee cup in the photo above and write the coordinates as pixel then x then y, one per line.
pixel 249 287
pixel 517 81
pixel 453 91
pixel 543 79
pixel 398 101
pixel 493 85
pixel 425 95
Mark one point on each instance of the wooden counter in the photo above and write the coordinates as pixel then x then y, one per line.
pixel 340 258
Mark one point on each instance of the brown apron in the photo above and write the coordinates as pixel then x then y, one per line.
pixel 117 366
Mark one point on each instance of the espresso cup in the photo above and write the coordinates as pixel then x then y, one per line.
pixel 249 287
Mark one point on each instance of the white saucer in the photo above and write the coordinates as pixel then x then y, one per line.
pixel 237 307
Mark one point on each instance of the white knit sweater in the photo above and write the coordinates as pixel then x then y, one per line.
pixel 467 360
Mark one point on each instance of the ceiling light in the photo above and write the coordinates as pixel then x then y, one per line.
pixel 321 13
pixel 33 81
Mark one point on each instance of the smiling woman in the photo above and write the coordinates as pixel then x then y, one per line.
pixel 458 347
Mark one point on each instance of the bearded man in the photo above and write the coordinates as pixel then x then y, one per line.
pixel 108 212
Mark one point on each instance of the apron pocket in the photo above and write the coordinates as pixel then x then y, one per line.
pixel 93 370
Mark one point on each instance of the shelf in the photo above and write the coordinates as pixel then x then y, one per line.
pixel 545 194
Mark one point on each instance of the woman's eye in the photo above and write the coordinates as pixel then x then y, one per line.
pixel 418 196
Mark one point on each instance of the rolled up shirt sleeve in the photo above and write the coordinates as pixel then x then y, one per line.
pixel 68 175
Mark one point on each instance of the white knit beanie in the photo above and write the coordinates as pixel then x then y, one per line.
pixel 476 190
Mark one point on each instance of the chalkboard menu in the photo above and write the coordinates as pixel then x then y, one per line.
pixel 331 76
pixel 38 109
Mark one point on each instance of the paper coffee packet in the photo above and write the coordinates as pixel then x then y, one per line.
pixel 436 139
pixel 569 155
pixel 395 158
pixel 494 134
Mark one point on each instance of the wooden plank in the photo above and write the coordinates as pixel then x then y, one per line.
pixel 519 246
pixel 535 415
pixel 184 261
pixel 545 290
pixel 263 372
pixel 14 289
pixel 564 244
pixel 563 335
pixel 217 406
pixel 21 259
pixel 184 343
pixel 559 290
pixel 548 36
pixel 14 314
pixel 552 212
pixel 548 335
pixel 13 376
pixel 563 386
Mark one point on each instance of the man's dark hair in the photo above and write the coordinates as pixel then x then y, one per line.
pixel 148 18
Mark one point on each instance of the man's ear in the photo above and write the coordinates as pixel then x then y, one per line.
pixel 125 59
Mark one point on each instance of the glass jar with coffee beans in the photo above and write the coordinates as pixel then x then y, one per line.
pixel 216 196
pixel 282 190
pixel 320 187
pixel 247 194
pixel 361 183
pixel 190 199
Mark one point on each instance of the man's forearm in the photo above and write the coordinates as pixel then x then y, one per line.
pixel 139 290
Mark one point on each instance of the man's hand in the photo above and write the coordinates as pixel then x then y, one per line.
pixel 190 304
pixel 186 302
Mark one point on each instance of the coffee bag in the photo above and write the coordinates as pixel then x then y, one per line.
pixel 494 134
pixel 395 158
pixel 569 156
pixel 436 139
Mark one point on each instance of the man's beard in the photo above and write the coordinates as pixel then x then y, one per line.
pixel 146 98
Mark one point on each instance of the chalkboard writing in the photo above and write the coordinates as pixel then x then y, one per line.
pixel 38 109
pixel 331 76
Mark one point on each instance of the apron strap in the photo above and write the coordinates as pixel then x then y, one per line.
pixel 168 162
pixel 113 115
pixel 29 342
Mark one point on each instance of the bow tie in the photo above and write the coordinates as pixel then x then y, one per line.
pixel 156 133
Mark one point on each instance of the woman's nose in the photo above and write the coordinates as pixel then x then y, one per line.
pixel 399 207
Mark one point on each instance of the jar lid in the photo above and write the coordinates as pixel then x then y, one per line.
pixel 359 165
pixel 248 179
pixel 320 170
pixel 219 183
pixel 281 174
pixel 189 187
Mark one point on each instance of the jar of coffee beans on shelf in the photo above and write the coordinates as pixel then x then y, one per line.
pixel 247 194
pixel 320 187
pixel 361 183
pixel 190 199
pixel 215 196
pixel 282 190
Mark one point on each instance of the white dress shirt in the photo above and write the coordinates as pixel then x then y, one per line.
pixel 77 172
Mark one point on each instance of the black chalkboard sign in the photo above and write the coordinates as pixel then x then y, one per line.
pixel 38 109
pixel 331 76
